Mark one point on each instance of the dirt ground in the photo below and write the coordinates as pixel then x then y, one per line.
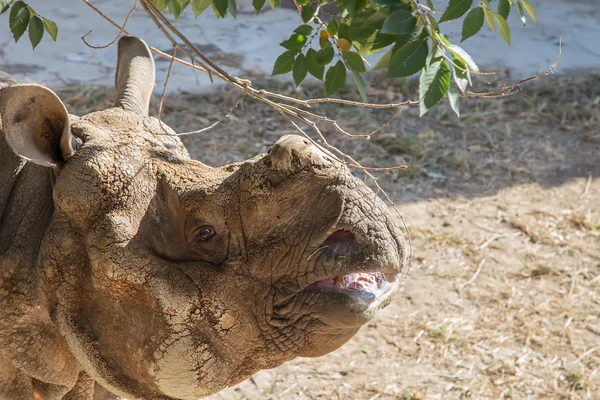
pixel 502 299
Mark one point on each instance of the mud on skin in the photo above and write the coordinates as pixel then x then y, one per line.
pixel 128 269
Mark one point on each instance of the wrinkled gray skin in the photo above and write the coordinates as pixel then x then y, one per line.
pixel 110 280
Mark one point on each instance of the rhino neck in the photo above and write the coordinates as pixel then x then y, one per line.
pixel 26 205
pixel 26 210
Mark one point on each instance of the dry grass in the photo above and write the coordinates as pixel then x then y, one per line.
pixel 503 300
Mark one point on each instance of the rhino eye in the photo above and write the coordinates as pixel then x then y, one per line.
pixel 205 233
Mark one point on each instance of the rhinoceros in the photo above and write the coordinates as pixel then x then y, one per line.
pixel 129 269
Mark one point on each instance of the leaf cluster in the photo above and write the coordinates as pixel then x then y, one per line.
pixel 23 18
pixel 408 30
pixel 332 45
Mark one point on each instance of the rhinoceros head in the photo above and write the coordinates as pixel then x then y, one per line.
pixel 169 278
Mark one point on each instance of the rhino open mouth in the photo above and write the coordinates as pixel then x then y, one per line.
pixel 368 283
pixel 371 286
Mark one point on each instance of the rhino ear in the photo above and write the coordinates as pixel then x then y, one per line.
pixel 134 79
pixel 36 124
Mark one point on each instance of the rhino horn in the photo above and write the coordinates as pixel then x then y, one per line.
pixel 135 75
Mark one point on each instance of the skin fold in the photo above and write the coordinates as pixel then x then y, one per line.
pixel 128 269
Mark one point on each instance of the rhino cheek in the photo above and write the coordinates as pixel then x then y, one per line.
pixel 174 377
pixel 113 325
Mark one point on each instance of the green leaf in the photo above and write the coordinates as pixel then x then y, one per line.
pixel 36 30
pixel 184 3
pixel 444 39
pixel 296 42
pixel 360 85
pixel 366 23
pixel 19 19
pixel 454 98
pixel 433 22
pixel 198 6
pixel 408 59
pixel 332 27
pixel 174 9
pixel 435 55
pixel 335 78
pixel 530 10
pixel 232 8
pixel 314 68
pixel 418 33
pixel 284 63
pixel 307 13
pixel 354 62
pixel 399 22
pixel 504 28
pixel 456 9
pixel 461 54
pixel 344 32
pixel 159 4
pixel 51 28
pixel 360 5
pixel 274 3
pixel 324 43
pixel 472 23
pixel 5 5
pixel 433 85
pixel 325 55
pixel 503 8
pixel 300 68
pixel 220 7
pixel 380 41
pixel 384 62
pixel 385 2
pixel 350 8
pixel 304 30
pixel 521 12
pixel 430 5
pixel 489 18
pixel 461 76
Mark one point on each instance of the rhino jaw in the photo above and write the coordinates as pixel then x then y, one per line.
pixel 352 298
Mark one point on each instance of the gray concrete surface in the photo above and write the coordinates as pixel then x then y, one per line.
pixel 250 42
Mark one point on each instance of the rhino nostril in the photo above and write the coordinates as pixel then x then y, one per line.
pixel 342 243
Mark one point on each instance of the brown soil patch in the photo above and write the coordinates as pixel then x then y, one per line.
pixel 503 296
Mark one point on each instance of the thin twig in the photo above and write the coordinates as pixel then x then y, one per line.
pixel 212 125
pixel 164 91
pixel 385 124
pixel 153 49
pixel 475 275
pixel 490 240
pixel 587 353
pixel 121 30
pixel 586 188
pixel 508 90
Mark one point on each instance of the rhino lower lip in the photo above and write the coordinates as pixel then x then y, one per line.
pixel 371 287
